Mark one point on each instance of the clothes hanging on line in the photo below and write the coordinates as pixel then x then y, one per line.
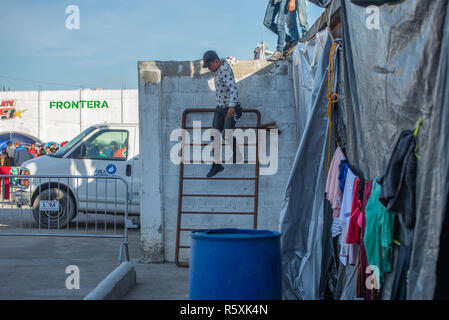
pixel 333 191
pixel 399 290
pixel 340 192
pixel 355 222
pixel 398 184
pixel 358 221
pixel 363 223
pixel 344 166
pixel 347 251
pixel 378 237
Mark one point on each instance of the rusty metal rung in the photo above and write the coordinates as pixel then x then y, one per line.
pixel 214 212
pixel 206 144
pixel 220 195
pixel 184 247
pixel 205 178
pixel 261 127
pixel 182 264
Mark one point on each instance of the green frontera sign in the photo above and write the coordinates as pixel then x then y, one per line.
pixel 81 104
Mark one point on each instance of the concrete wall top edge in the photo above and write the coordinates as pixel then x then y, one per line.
pixel 12 92
pixel 194 69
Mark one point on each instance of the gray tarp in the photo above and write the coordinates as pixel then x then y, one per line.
pixel 394 76
pixel 301 221
pixel 305 62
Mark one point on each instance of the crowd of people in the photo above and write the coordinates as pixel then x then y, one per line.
pixel 14 155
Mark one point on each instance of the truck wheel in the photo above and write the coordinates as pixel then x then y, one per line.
pixel 54 219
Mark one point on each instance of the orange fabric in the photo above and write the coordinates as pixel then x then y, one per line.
pixel 120 153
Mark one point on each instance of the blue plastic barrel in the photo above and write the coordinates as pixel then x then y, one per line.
pixel 235 264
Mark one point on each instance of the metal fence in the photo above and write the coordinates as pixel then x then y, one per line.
pixel 65 206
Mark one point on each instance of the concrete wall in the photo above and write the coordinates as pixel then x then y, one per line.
pixel 52 124
pixel 165 90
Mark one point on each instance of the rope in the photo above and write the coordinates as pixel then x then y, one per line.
pixel 332 97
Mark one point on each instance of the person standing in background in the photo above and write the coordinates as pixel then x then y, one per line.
pixel 275 19
pixel 10 150
pixel 42 152
pixel 21 155
pixel 33 150
pixel 303 11
pixel 5 161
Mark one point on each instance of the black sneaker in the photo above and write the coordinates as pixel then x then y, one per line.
pixel 216 168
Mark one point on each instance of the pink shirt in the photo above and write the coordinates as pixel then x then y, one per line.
pixel 333 192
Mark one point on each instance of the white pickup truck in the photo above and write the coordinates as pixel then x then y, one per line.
pixel 104 150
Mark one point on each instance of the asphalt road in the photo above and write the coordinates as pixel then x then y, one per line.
pixel 34 266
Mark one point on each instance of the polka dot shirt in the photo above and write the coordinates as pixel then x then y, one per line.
pixel 226 92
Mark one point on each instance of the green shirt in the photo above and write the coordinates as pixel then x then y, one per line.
pixel 378 237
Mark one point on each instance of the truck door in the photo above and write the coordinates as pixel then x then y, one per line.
pixel 104 154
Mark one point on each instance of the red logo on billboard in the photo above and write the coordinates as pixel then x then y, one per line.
pixel 8 110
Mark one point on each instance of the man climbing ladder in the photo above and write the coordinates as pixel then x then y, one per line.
pixel 228 108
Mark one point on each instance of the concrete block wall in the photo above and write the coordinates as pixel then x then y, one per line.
pixel 166 89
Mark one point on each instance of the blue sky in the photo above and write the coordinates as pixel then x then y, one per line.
pixel 114 35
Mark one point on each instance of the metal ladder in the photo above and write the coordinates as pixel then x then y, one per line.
pixel 182 194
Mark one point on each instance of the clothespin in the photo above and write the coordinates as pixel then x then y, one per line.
pixel 415 134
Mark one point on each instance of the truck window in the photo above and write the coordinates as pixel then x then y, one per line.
pixel 61 152
pixel 105 145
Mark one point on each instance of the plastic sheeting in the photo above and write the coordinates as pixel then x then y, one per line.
pixel 302 221
pixel 391 77
pixel 305 63
pixel 394 76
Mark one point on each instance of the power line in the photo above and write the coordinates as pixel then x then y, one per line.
pixel 44 82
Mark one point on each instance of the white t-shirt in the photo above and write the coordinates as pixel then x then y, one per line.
pixel 345 215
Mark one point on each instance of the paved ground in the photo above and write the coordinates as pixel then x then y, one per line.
pixel 35 267
pixel 160 282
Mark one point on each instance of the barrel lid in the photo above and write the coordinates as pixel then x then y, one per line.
pixel 234 234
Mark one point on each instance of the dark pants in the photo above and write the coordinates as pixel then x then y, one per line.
pixel 221 122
